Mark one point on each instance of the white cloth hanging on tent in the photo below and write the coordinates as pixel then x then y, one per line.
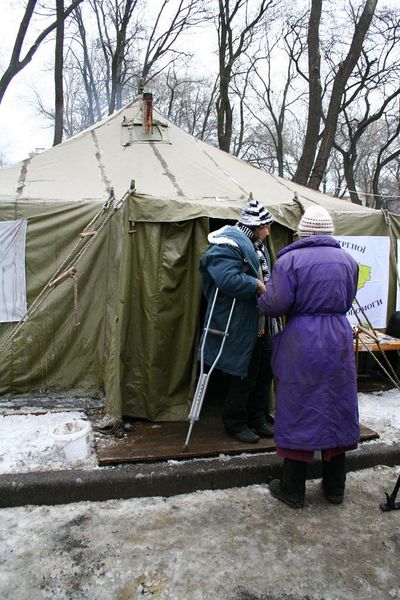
pixel 12 270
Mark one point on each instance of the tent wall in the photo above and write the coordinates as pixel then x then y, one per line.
pixel 50 354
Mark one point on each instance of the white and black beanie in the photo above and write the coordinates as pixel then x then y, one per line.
pixel 255 214
pixel 315 221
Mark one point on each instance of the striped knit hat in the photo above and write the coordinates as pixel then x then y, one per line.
pixel 315 221
pixel 255 214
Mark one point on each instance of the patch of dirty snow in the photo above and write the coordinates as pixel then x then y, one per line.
pixel 381 412
pixel 27 443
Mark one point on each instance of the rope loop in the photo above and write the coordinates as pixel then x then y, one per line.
pixel 76 307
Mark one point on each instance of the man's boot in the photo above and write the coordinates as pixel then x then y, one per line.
pixel 334 479
pixel 292 486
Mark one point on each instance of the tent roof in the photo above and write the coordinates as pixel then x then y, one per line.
pixel 178 168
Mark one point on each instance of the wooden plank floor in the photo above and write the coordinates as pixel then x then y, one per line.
pixel 151 442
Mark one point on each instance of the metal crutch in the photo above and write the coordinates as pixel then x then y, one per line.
pixel 202 383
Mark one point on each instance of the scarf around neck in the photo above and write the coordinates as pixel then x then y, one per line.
pixel 259 248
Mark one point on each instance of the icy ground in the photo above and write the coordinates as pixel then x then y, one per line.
pixel 236 544
pixel 26 442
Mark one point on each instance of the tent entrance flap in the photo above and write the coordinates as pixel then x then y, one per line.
pixel 160 300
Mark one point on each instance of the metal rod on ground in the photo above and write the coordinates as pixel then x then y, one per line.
pixel 204 378
pixel 390 503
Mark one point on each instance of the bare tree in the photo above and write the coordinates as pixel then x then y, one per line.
pixel 58 74
pixel 86 66
pixel 314 93
pixel 240 87
pixel 339 84
pixel 392 184
pixel 271 105
pixel 233 41
pixel 114 16
pixel 355 129
pixel 371 96
pixel 318 146
pixel 164 33
pixel 387 153
pixel 187 101
pixel 17 63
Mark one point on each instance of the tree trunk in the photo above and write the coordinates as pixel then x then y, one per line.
pixel 223 105
pixel 280 153
pixel 314 92
pixel 348 167
pixel 224 116
pixel 344 71
pixel 232 43
pixel 58 75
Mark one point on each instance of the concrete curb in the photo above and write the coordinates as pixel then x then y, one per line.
pixel 168 478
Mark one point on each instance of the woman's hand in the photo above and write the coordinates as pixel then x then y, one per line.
pixel 260 287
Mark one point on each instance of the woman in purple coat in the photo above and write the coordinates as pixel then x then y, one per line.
pixel 313 283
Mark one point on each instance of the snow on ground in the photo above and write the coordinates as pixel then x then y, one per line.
pixel 235 544
pixel 26 442
pixel 381 412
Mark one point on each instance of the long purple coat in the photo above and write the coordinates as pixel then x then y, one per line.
pixel 314 283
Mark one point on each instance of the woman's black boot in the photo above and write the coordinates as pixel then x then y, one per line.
pixel 334 479
pixel 292 486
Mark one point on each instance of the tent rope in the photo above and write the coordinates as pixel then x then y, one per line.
pixel 371 332
pixel 68 267
pixel 76 307
pixel 395 382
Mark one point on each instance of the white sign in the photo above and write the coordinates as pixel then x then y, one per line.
pixel 372 255
pixel 12 270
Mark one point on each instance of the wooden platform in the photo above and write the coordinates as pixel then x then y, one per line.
pixel 151 442
pixel 372 383
pixel 386 343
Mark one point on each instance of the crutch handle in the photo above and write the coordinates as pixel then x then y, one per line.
pixel 218 332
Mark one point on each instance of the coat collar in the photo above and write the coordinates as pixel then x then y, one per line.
pixel 232 236
pixel 311 241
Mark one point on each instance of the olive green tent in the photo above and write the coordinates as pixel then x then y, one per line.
pixel 117 219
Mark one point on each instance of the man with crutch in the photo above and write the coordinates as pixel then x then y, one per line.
pixel 238 264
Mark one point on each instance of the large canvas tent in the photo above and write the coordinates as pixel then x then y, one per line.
pixel 117 220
